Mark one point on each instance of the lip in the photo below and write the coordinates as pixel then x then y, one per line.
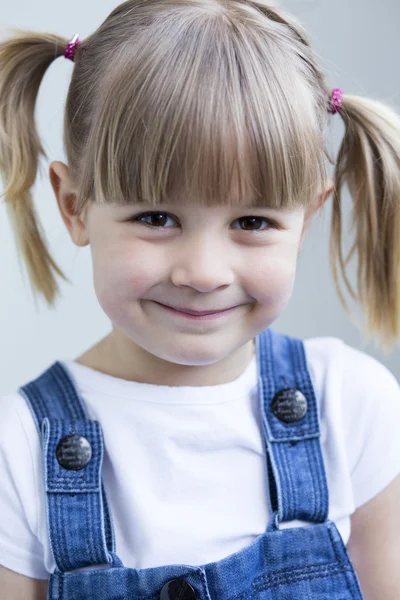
pixel 199 313
pixel 198 316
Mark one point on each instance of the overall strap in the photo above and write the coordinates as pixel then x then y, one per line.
pixel 296 470
pixel 79 521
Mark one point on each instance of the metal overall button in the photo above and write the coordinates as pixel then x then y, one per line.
pixel 177 589
pixel 289 405
pixel 73 452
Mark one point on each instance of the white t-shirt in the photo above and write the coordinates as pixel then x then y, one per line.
pixel 184 467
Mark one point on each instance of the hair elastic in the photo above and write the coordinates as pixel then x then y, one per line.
pixel 336 100
pixel 70 49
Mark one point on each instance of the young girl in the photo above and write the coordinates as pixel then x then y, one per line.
pixel 201 457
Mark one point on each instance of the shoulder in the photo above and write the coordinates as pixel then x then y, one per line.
pixel 19 449
pixel 11 408
pixel 359 402
pixel 16 420
pixel 355 371
pixel 20 465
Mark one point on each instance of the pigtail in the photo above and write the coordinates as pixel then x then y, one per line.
pixel 369 162
pixel 23 63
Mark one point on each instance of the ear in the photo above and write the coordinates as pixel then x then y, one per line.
pixel 65 194
pixel 322 198
pixel 330 186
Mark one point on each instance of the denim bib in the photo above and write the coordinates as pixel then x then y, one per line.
pixel 298 563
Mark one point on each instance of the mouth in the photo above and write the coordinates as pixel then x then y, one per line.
pixel 197 315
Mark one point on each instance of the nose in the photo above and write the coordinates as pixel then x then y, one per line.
pixel 203 266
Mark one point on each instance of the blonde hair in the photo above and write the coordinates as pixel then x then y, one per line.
pixel 170 98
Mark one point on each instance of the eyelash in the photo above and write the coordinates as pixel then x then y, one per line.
pixel 136 219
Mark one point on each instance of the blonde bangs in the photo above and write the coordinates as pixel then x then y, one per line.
pixel 240 126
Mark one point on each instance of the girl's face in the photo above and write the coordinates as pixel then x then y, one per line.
pixel 204 259
pixel 196 257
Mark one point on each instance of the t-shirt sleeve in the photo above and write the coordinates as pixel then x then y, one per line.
pixel 20 549
pixel 371 415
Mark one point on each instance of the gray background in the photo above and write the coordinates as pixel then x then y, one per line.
pixel 358 46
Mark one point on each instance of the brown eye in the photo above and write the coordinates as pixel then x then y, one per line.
pixel 250 221
pixel 157 217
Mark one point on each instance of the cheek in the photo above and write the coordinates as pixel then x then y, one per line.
pixel 271 281
pixel 121 279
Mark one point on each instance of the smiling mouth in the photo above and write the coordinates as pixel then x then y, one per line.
pixel 197 317
pixel 198 313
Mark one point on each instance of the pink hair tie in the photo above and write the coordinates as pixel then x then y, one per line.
pixel 70 49
pixel 336 100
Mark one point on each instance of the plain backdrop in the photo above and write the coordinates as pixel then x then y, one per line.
pixel 358 46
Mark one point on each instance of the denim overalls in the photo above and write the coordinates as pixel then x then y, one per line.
pixel 295 563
